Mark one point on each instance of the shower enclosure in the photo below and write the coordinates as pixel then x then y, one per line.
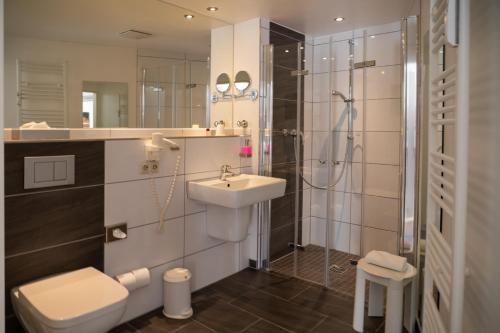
pixel 338 122
pixel 173 92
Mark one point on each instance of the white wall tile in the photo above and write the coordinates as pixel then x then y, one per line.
pixel 213 264
pixel 209 154
pixel 319 149
pixel 247 250
pixel 321 87
pixel 308 88
pixel 320 176
pixel 340 82
pixel 355 243
pixel 382 180
pixel 355 174
pixel 318 229
pixel 356 206
pixel 306 203
pixel 306 231
pixel 321 58
pixel 134 203
pixel 308 116
pixel 340 234
pixel 383 115
pixel 380 240
pixel 146 299
pixel 340 54
pixel 383 82
pixel 197 238
pixel 339 116
pixel 194 206
pixel 381 213
pixel 340 207
pixel 308 145
pixel 124 159
pixel 382 147
pixel 385 49
pixel 145 246
pixel 320 116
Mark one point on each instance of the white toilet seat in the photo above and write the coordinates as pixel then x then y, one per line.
pixel 71 300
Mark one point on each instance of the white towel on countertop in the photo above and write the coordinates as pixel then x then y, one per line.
pixel 34 124
pixel 387 260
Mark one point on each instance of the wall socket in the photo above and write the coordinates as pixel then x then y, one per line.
pixel 151 166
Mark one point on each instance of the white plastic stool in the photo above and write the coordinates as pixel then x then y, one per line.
pixel 397 283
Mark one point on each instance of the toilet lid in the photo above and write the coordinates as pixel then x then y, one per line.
pixel 71 298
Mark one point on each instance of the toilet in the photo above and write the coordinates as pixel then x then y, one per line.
pixel 81 301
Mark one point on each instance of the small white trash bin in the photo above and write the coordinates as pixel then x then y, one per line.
pixel 177 293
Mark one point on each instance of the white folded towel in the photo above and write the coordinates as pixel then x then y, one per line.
pixel 34 124
pixel 386 260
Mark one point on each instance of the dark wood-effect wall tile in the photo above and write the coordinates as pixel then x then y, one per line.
pixel 286 31
pixel 39 220
pixel 29 267
pixel 89 162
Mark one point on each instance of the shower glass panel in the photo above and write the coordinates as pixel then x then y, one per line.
pixel 333 124
pixel 173 92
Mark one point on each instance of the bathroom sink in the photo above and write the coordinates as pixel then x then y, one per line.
pixel 236 191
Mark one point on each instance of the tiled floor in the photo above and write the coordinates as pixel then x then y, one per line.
pixel 311 267
pixel 254 301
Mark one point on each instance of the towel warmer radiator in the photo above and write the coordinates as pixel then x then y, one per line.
pixel 447 167
pixel 41 93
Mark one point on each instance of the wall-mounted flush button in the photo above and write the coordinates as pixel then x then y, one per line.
pixel 60 170
pixel 44 172
pixel 47 171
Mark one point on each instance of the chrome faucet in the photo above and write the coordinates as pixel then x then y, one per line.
pixel 224 172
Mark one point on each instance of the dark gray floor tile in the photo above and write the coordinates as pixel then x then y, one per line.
pixel 227 289
pixel 331 325
pixel 264 327
pixel 194 327
pixel 125 328
pixel 333 304
pixel 222 317
pixel 156 322
pixel 276 284
pixel 278 311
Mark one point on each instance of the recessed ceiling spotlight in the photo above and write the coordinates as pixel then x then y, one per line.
pixel 324 58
pixel 339 19
pixel 286 51
pixel 212 9
pixel 372 36
pixel 189 16
pixel 301 47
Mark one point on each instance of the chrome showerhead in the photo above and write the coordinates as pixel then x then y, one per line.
pixel 341 95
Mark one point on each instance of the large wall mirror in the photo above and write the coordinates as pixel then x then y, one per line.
pixel 113 63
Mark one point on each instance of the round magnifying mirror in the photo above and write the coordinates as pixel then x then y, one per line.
pixel 222 83
pixel 242 81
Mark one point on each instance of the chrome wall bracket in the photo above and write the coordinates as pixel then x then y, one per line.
pixel 303 72
pixel 363 64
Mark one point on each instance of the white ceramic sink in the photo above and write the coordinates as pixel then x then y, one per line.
pixel 237 191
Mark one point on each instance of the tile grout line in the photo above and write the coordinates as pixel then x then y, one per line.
pixel 200 323
pixel 183 326
pixel 250 325
pixel 301 292
pixel 261 318
pixel 318 323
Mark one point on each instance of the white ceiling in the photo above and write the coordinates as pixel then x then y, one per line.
pixel 313 17
pixel 101 21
